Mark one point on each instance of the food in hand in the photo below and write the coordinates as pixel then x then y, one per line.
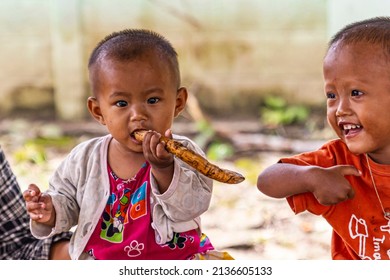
pixel 196 161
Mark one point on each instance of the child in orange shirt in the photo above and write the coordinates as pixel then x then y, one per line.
pixel 347 181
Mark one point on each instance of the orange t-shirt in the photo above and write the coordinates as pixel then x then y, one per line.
pixel 360 230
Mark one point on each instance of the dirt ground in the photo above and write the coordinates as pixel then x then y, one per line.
pixel 240 220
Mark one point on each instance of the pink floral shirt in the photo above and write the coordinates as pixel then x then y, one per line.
pixel 124 231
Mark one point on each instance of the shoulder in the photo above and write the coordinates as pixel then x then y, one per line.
pixel 335 144
pixel 82 159
pixel 89 148
pixel 339 151
pixel 181 138
pixel 91 143
pixel 333 152
pixel 188 143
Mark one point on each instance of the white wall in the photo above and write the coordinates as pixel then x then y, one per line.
pixel 232 52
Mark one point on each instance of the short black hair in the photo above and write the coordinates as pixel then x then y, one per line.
pixel 130 44
pixel 373 31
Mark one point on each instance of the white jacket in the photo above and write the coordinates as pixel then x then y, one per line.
pixel 80 188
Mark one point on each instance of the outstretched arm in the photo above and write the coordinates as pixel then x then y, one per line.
pixel 328 185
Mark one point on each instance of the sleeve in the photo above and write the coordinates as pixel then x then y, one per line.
pixel 188 196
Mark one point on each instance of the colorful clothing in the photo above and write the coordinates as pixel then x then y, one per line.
pixel 125 232
pixel 16 241
pixel 360 230
pixel 80 189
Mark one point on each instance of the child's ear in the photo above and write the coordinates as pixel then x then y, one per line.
pixel 181 100
pixel 94 109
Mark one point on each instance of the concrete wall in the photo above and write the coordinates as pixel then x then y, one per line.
pixel 25 62
pixel 232 52
pixel 344 12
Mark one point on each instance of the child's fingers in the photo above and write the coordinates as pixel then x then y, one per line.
pixel 35 210
pixel 35 206
pixel 35 216
pixel 27 196
pixel 32 191
pixel 34 188
pixel 348 170
pixel 351 193
pixel 168 133
pixel 154 140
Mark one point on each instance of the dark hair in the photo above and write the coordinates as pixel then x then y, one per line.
pixel 130 44
pixel 374 31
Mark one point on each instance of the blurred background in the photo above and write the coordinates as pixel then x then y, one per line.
pixel 254 72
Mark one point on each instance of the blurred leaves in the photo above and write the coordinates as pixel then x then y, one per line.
pixel 206 133
pixel 216 149
pixel 35 150
pixel 276 111
pixel 30 152
pixel 220 151
pixel 34 159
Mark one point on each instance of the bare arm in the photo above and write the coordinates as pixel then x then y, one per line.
pixel 328 185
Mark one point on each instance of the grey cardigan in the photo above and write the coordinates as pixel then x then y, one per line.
pixel 80 188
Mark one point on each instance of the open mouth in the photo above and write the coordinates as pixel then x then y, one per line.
pixel 132 135
pixel 350 128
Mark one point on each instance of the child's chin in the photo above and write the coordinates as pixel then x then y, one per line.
pixel 357 150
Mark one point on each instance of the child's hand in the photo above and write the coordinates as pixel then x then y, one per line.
pixel 155 152
pixel 159 158
pixel 331 187
pixel 39 205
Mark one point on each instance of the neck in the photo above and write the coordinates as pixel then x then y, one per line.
pixel 124 163
pixel 382 158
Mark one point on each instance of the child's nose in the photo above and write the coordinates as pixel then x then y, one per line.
pixel 138 112
pixel 343 107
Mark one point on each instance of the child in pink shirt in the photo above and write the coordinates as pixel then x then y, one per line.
pixel 129 199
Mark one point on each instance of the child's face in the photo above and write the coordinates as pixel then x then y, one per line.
pixel 357 86
pixel 133 95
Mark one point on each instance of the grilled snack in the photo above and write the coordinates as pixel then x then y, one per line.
pixel 196 161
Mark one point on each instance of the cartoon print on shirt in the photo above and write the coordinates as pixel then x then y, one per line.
pixel 90 252
pixel 358 229
pixel 178 241
pixel 138 202
pixel 118 211
pixel 386 228
pixel 134 249
pixel 203 240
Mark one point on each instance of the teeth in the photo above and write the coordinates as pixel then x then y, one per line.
pixel 351 126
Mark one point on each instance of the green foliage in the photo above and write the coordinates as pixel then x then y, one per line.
pixel 206 132
pixel 277 112
pixel 30 152
pixel 219 151
pixel 34 150
pixel 55 142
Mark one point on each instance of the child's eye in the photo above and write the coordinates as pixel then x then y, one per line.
pixel 153 100
pixel 330 95
pixel 121 103
pixel 356 92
